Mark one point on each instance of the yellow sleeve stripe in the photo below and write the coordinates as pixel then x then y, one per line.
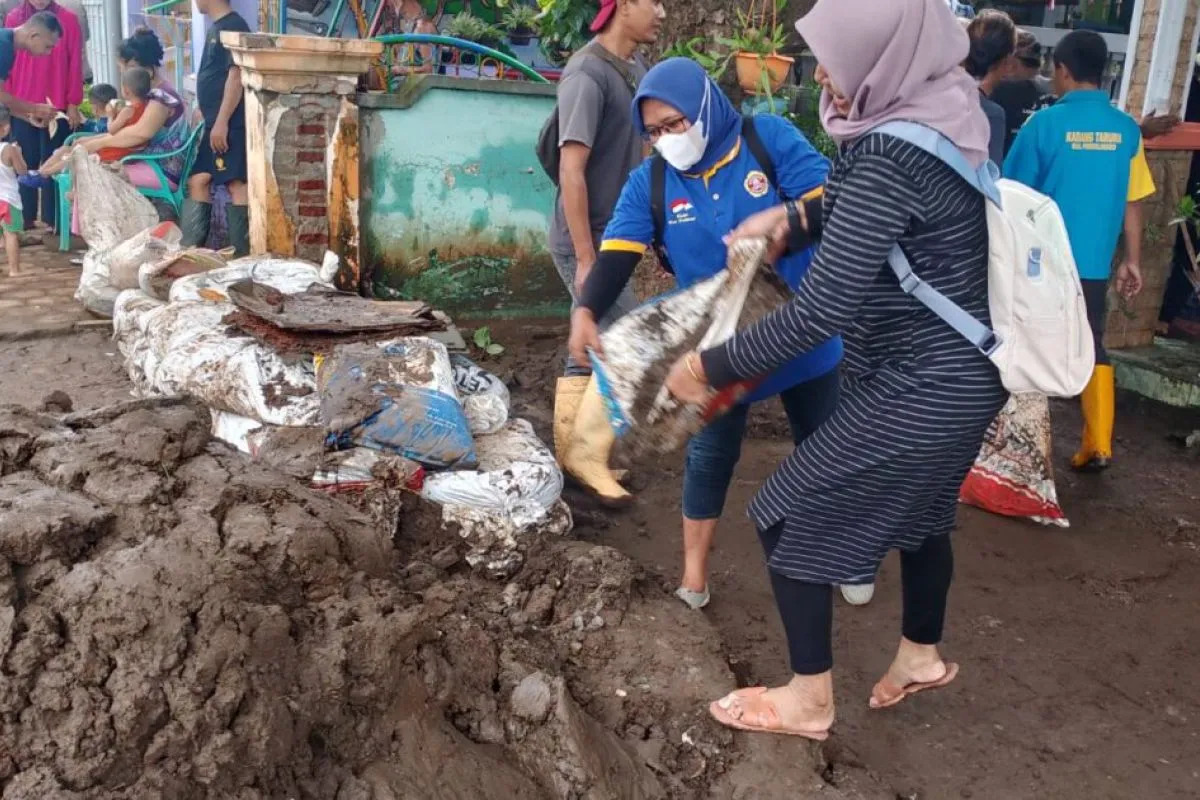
pixel 810 194
pixel 622 246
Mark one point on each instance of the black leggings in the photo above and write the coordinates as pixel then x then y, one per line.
pixel 1095 296
pixel 807 608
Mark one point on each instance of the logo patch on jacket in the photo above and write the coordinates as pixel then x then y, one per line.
pixel 756 184
pixel 681 211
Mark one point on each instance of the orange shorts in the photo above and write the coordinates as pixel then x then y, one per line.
pixel 110 154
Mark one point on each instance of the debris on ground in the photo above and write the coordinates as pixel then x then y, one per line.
pixel 178 622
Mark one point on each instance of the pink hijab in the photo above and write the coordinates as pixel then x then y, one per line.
pixel 897 60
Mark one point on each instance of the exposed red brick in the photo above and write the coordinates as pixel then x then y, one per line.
pixel 312 211
pixel 311 186
pixel 310 129
pixel 310 156
pixel 313 238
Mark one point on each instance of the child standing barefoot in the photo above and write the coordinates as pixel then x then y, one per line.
pixel 12 164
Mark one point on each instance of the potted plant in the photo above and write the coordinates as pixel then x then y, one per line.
pixel 756 44
pixel 562 27
pixel 521 23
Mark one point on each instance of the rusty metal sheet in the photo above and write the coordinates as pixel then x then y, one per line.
pixel 300 343
pixel 328 311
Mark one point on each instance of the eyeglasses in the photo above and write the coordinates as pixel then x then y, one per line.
pixel 677 124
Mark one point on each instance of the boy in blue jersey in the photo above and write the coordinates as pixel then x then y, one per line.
pixel 1088 157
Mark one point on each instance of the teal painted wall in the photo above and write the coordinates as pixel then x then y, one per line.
pixel 454 203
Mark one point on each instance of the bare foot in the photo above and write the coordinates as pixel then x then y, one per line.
pixel 914 665
pixel 14 273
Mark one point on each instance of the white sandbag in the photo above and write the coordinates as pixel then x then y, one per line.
pixel 515 494
pixel 288 275
pixel 517 478
pixel 184 348
pixel 108 209
pixel 146 247
pixel 484 397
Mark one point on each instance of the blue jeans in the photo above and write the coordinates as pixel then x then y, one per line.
pixel 714 452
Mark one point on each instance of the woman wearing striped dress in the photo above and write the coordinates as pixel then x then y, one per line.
pixel 884 471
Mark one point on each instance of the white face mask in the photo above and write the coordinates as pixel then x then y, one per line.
pixel 683 150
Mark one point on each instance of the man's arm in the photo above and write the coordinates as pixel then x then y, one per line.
pixel 1129 275
pixel 572 181
pixel 219 139
pixel 580 107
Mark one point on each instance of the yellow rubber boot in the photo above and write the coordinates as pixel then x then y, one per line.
pixel 568 393
pixel 1099 407
pixel 585 456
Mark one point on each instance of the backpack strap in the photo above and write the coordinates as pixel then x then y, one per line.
pixel 754 144
pixel 937 145
pixel 984 180
pixel 658 207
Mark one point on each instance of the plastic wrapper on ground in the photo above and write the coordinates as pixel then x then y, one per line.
pixel 641 347
pixel 515 491
pixel 184 348
pixel 485 398
pixel 1014 474
pixel 397 396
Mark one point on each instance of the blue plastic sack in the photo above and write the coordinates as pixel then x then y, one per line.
pixel 398 397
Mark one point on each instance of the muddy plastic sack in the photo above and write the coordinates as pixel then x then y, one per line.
pixel 288 275
pixel 156 278
pixel 1014 474
pixel 641 347
pixel 517 476
pixel 106 273
pixel 397 396
pixel 152 245
pixel 185 349
pixel 108 209
pixel 485 398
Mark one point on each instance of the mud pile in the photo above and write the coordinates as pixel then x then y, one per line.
pixel 176 622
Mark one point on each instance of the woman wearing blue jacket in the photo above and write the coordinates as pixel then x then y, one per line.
pixel 713 179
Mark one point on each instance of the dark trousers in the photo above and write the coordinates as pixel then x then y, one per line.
pixel 807 608
pixel 37 146
pixel 1095 297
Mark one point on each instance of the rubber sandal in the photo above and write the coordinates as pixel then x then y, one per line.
pixel 886 694
pixel 694 600
pixel 720 712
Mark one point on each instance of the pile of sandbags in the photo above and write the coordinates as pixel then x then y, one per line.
pixel 400 412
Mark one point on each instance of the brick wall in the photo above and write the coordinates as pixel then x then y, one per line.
pixel 299 168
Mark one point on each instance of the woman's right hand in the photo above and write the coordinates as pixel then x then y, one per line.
pixel 771 224
pixel 585 334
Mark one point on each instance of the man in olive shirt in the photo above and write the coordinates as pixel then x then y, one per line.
pixel 598 146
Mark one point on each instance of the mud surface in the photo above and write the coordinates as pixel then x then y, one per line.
pixel 176 622
pixel 1078 646
pixel 313 661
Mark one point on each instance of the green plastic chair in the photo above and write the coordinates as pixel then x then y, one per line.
pixel 189 150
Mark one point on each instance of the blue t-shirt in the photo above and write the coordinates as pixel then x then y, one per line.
pixel 1088 157
pixel 701 209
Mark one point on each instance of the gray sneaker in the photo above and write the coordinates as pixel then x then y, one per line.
pixel 858 595
pixel 693 600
